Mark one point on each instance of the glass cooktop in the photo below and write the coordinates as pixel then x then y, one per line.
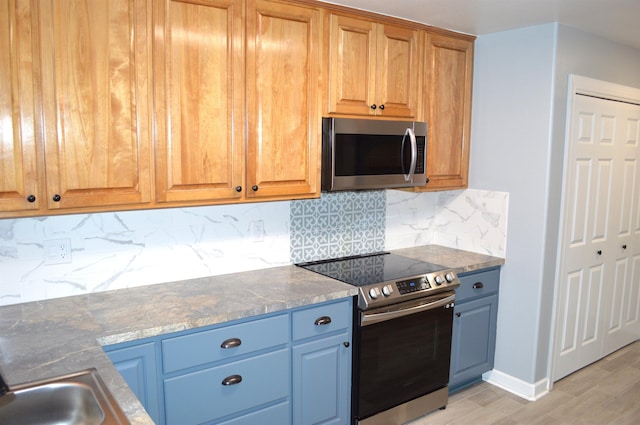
pixel 373 268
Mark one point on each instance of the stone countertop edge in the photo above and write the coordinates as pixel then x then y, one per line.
pixel 44 339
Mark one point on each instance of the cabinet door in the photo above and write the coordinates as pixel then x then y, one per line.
pixel 474 339
pixel 95 78
pixel 199 113
pixel 283 99
pixel 397 70
pixel 352 66
pixel 322 381
pixel 18 155
pixel 137 365
pixel 448 76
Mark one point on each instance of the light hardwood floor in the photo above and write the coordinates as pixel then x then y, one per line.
pixel 606 392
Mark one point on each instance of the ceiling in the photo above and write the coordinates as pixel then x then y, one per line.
pixel 617 20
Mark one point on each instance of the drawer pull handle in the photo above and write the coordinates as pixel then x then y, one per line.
pixel 231 343
pixel 324 320
pixel 232 380
pixel 478 285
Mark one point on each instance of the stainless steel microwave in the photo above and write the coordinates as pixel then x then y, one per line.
pixel 360 154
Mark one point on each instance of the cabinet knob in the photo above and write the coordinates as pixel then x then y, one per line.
pixel 458 314
pixel 623 246
pixel 478 285
pixel 238 188
pixel 254 187
pixel 381 107
pixel 231 343
pixel 324 320
pixel 232 380
pixel 599 252
pixel 374 106
pixel 31 198
pixel 346 344
pixel 427 180
pixel 56 198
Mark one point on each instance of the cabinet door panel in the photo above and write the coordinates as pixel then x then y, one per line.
pixel 95 99
pixel 398 68
pixel 18 160
pixel 448 72
pixel 137 365
pixel 322 377
pixel 474 338
pixel 198 63
pixel 352 60
pixel 283 99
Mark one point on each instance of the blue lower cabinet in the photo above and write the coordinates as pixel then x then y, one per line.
pixel 137 365
pixel 474 328
pixel 210 394
pixel 322 363
pixel 322 381
pixel 293 367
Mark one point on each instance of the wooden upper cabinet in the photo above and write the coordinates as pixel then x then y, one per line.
pixel 19 180
pixel 95 77
pixel 199 114
pixel 374 68
pixel 447 95
pixel 284 52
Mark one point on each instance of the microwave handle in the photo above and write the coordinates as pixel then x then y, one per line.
pixel 414 152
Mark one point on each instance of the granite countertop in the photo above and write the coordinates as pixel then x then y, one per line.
pixel 44 339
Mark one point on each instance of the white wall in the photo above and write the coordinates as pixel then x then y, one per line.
pixel 517 146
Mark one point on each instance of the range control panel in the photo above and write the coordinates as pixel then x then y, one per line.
pixel 413 285
pixel 375 295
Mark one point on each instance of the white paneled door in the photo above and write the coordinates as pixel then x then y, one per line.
pixel 598 299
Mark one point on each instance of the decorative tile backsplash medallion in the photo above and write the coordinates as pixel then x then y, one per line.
pixel 337 224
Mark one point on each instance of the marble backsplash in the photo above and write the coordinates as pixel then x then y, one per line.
pixel 133 248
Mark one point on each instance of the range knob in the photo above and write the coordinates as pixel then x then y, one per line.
pixel 374 293
pixel 387 290
pixel 439 280
pixel 450 277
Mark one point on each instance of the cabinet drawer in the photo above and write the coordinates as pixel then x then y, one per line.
pixel 206 346
pixel 278 414
pixel 304 321
pixel 485 283
pixel 200 396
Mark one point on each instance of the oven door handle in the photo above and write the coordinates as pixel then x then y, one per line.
pixel 369 318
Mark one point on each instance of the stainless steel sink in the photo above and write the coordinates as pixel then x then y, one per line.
pixel 79 398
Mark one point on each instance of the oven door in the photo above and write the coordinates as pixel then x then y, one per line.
pixel 404 353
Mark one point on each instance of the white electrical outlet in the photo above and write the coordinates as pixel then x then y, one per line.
pixel 57 251
pixel 256 228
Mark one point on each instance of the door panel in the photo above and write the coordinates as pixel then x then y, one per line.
pixel 397 71
pixel 199 109
pixel 597 306
pixel 352 66
pixel 95 96
pixel 18 156
pixel 283 99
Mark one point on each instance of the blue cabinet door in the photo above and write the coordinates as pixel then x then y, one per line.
pixel 474 340
pixel 137 365
pixel 322 381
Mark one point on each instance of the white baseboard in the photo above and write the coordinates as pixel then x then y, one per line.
pixel 531 392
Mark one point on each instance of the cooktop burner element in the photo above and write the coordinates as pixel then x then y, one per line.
pixel 385 278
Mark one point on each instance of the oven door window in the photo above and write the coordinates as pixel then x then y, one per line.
pixel 402 359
